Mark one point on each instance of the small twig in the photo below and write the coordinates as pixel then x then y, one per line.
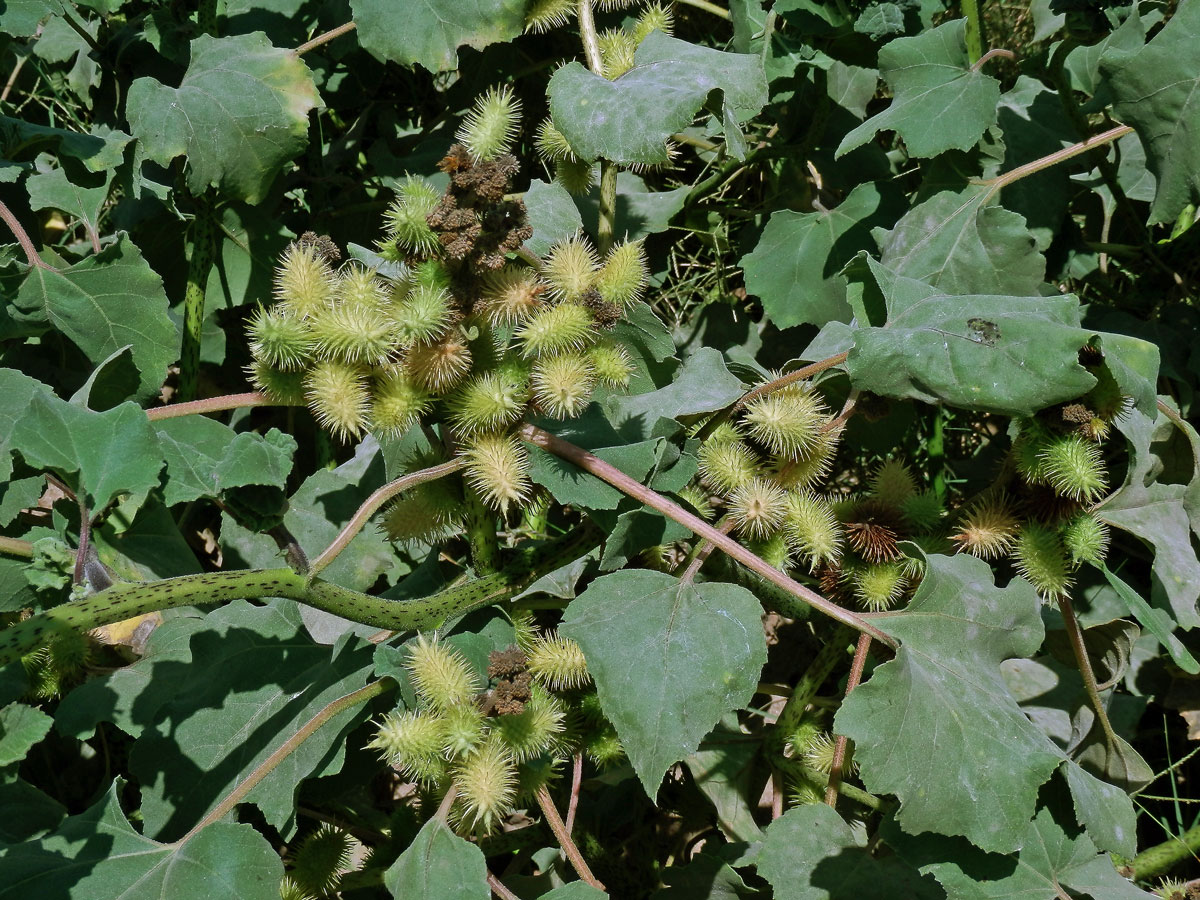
pixel 499 889
pixel 564 837
pixel 609 473
pixel 443 810
pixel 844 416
pixel 268 765
pixel 840 746
pixel 211 405
pixel 708 7
pixel 576 782
pixel 12 77
pixel 702 551
pixel 1053 159
pixel 992 54
pixel 22 236
pixel 776 794
pixel 325 38
pixel 372 504
pixel 16 547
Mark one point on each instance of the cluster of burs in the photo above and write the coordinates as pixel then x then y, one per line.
pixel 766 470
pixel 475 333
pixel 495 739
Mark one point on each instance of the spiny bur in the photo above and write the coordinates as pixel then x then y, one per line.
pixel 491 126
pixel 622 278
pixel 441 676
pixel 558 663
pixel 486 783
pixel 570 268
pixel 1041 560
pixel 497 468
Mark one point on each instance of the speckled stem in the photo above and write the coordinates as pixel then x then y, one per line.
pixel 123 601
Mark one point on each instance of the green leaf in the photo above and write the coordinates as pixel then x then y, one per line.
pixel 795 268
pixel 429 32
pixel 250 679
pixel 576 890
pixel 205 457
pixel 640 211
pixel 572 486
pixel 943 697
pixel 939 103
pixel 811 854
pixel 114 452
pixel 1103 809
pixel 669 659
pixel 21 18
pixel 98 854
pixel 17 391
pixel 552 213
pixel 630 119
pixel 54 190
pixel 1055 860
pixel 1157 91
pixel 21 727
pixel 1004 354
pixel 103 303
pixel 28 812
pixel 438 865
pixel 1155 621
pixel 102 149
pixel 702 384
pixel 251 242
pixel 962 243
pixel 239 114
pixel 724 770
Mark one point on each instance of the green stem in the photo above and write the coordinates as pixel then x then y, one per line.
pixel 935 447
pixel 286 749
pixel 129 599
pixel 591 41
pixel 480 525
pixel 203 235
pixel 970 10
pixel 16 547
pixel 1084 662
pixel 833 652
pixel 1158 860
pixel 708 7
pixel 606 225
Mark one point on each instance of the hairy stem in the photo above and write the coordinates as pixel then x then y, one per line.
pixel 16 547
pixel 612 475
pixel 974 29
pixel 546 802
pixel 1079 648
pixel 325 38
pixel 210 405
pixel 841 747
pixel 591 41
pixel 372 505
pixel 128 599
pixel 202 238
pixel 268 765
pixel 1053 159
pixel 22 236
pixel 480 525
pixel 1159 859
pixel 498 888
pixel 606 225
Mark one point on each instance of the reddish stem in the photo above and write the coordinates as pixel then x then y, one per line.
pixel 24 240
pixel 210 405
pixel 576 782
pixel 840 747
pixel 564 838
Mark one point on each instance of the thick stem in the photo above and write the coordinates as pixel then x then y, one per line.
pixel 447 804
pixel 203 235
pixel 22 236
pixel 480 525
pixel 268 765
pixel 833 651
pixel 992 54
pixel 935 447
pixel 840 748
pixel 606 225
pixel 707 7
pixel 1159 859
pixel 576 783
pixel 974 29
pixel 16 547
pixel 622 482
pixel 591 41
pixel 325 38
pixel 564 838
pixel 210 405
pixel 372 504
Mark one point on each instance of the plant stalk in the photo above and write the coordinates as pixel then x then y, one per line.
pixel 974 30
pixel 546 802
pixel 841 746
pixel 203 237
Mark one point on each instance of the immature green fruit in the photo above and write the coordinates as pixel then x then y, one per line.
pixel 893 483
pixel 411 742
pixel 879 585
pixel 486 403
pixel 280 339
pixel 758 508
pixel 1074 467
pixel 612 364
pixel 562 385
pixel 552 144
pixel 303 281
pixel 1040 558
pixel 430 274
pixel 405 220
pixel 423 315
pixel 1106 397
pixel 575 176
pixel 545 15
pixel 813 528
pixel 1086 539
pixel 788 421
pixel 803 791
pixel 497 468
pixel 510 296
pixel 320 859
pixel 339 397
pixel 819 753
pixel 397 404
pixel 463 729
pixel 289 890
pixel 441 677
pixel 285 388
pixel 360 288
pixel 354 334
pixel 775 551
pixel 565 328
pixel 491 126
pixel 810 467
pixel 440 366
pixel 429 512
pixel 486 782
pixel 617 47
pixel 1032 438
pixel 557 662
pixel 535 730
pixel 988 529
pixel 535 774
pixel 570 268
pixel 923 511
pixel 623 276
pixel 726 465
pixel 603 747
pixel 654 17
